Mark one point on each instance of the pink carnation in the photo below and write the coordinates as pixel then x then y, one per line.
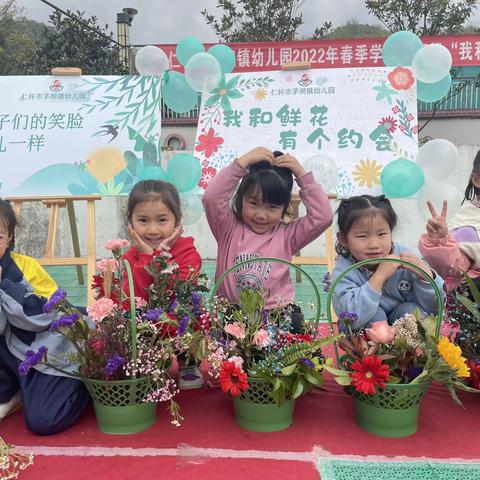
pixel 100 309
pixel 140 302
pixel 237 361
pixel 261 338
pixel 103 264
pixel 115 245
pixel 236 329
pixel 381 332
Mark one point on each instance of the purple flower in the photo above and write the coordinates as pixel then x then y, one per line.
pixel 64 321
pixel 31 359
pixel 154 314
pixel 55 299
pixel 196 301
pixel 348 317
pixel 307 362
pixel 182 326
pixel 113 364
pixel 173 306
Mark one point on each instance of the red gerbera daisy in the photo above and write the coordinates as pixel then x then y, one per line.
pixel 232 379
pixel 474 380
pixel 370 372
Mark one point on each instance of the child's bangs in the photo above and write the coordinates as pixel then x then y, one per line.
pixel 272 187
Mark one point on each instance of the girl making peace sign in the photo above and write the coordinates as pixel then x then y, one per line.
pixel 454 249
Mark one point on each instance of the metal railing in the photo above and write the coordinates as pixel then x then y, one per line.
pixel 467 98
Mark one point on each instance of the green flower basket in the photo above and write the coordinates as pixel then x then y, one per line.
pixel 254 408
pixel 393 411
pixel 119 405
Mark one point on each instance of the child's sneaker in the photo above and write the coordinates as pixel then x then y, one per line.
pixel 189 378
pixel 9 407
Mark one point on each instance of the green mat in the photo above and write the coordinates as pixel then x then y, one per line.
pixel 357 470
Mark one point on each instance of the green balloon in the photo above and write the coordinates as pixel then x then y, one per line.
pixel 401 178
pixel 177 93
pixel 431 92
pixel 225 56
pixel 152 173
pixel 187 47
pixel 400 48
pixel 184 171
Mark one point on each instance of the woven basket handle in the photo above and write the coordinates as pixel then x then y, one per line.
pixel 274 260
pixel 133 312
pixel 355 266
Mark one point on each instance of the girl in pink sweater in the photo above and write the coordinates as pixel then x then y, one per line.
pixel 247 220
pixel 454 249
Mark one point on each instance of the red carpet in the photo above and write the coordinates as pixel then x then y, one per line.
pixel 324 426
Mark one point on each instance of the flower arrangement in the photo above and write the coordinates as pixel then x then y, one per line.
pixel 12 462
pixel 109 346
pixel 247 342
pixel 462 326
pixel 405 353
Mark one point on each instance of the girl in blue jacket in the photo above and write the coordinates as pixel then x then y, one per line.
pixel 382 291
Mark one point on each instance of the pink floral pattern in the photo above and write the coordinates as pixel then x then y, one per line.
pixel 401 78
pixel 207 176
pixel 208 143
pixel 389 123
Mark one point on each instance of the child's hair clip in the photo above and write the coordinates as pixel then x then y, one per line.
pixel 381 198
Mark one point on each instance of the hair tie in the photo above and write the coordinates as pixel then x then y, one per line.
pixel 381 198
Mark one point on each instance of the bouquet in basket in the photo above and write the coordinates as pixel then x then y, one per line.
pixel 121 341
pixel 406 352
pixel 247 343
pixel 462 322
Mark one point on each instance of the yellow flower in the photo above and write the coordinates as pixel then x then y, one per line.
pixel 452 354
pixel 261 94
pixel 367 173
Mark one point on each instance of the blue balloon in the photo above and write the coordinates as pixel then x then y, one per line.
pixel 187 47
pixel 401 178
pixel 431 92
pixel 400 48
pixel 184 171
pixel 177 94
pixel 225 56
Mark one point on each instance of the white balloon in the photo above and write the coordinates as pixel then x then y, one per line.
pixel 438 158
pixel 324 170
pixel 436 192
pixel 151 60
pixel 203 72
pixel 432 63
pixel 191 206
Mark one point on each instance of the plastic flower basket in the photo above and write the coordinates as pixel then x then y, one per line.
pixel 119 405
pixel 254 408
pixel 393 411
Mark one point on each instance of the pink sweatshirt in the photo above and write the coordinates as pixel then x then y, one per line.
pixel 446 258
pixel 237 242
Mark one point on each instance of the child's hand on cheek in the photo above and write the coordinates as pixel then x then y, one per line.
pixel 171 239
pixel 290 162
pixel 254 156
pixel 137 242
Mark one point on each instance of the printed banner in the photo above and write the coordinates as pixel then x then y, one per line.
pixel 78 135
pixel 342 53
pixel 359 118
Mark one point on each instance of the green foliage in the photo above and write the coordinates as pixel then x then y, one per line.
pixel 353 29
pixel 78 42
pixel 19 38
pixel 423 17
pixel 256 20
